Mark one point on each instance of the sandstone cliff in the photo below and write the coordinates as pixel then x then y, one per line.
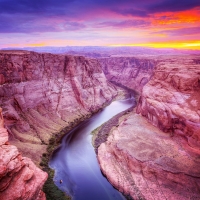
pixel 132 72
pixel 169 88
pixel 171 99
pixel 141 160
pixel 19 177
pixel 42 93
pixel 145 163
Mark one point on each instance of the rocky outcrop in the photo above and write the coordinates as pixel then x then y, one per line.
pixel 19 177
pixel 141 160
pixel 42 93
pixel 145 163
pixel 132 72
pixel 171 99
pixel 169 88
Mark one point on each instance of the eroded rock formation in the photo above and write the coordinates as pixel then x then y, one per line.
pixel 19 177
pixel 131 72
pixel 146 163
pixel 42 93
pixel 171 99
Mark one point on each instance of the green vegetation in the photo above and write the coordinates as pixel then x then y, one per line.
pixel 50 189
pixel 101 133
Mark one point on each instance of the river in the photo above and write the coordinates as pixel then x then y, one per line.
pixel 75 161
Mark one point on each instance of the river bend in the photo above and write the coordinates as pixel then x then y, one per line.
pixel 75 161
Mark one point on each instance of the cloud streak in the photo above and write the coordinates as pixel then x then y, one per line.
pixel 97 19
pixel 123 24
pixel 180 32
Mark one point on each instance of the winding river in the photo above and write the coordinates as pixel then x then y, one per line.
pixel 75 161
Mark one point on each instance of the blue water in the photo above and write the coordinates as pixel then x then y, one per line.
pixel 75 161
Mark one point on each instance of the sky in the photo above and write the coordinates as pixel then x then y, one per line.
pixel 147 23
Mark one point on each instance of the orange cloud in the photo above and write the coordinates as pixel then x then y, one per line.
pixel 182 17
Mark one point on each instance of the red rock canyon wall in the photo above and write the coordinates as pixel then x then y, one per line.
pixel 141 160
pixel 19 177
pixel 171 99
pixel 132 72
pixel 41 93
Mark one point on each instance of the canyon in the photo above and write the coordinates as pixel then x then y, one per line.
pixel 43 93
pixel 171 99
pixel 132 72
pixel 151 153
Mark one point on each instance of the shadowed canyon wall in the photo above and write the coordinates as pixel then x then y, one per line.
pixel 132 72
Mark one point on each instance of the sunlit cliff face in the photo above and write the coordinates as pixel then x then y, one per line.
pixel 155 23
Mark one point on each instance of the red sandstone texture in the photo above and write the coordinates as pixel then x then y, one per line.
pixel 41 93
pixel 145 163
pixel 132 72
pixel 19 177
pixel 171 99
pixel 141 160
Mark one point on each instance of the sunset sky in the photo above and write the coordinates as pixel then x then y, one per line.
pixel 151 23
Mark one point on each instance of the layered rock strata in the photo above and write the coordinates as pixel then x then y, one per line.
pixel 171 99
pixel 42 93
pixel 19 177
pixel 132 72
pixel 145 163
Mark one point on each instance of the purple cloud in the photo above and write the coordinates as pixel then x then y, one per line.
pixel 28 24
pixel 172 5
pixel 124 24
pixel 75 8
pixel 34 16
pixel 181 31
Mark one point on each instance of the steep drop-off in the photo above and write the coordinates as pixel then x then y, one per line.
pixel 171 99
pixel 19 177
pixel 42 93
pixel 141 160
pixel 145 163
pixel 132 72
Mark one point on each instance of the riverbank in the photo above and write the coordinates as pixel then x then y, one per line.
pixel 142 161
pixel 101 133
pixel 50 189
